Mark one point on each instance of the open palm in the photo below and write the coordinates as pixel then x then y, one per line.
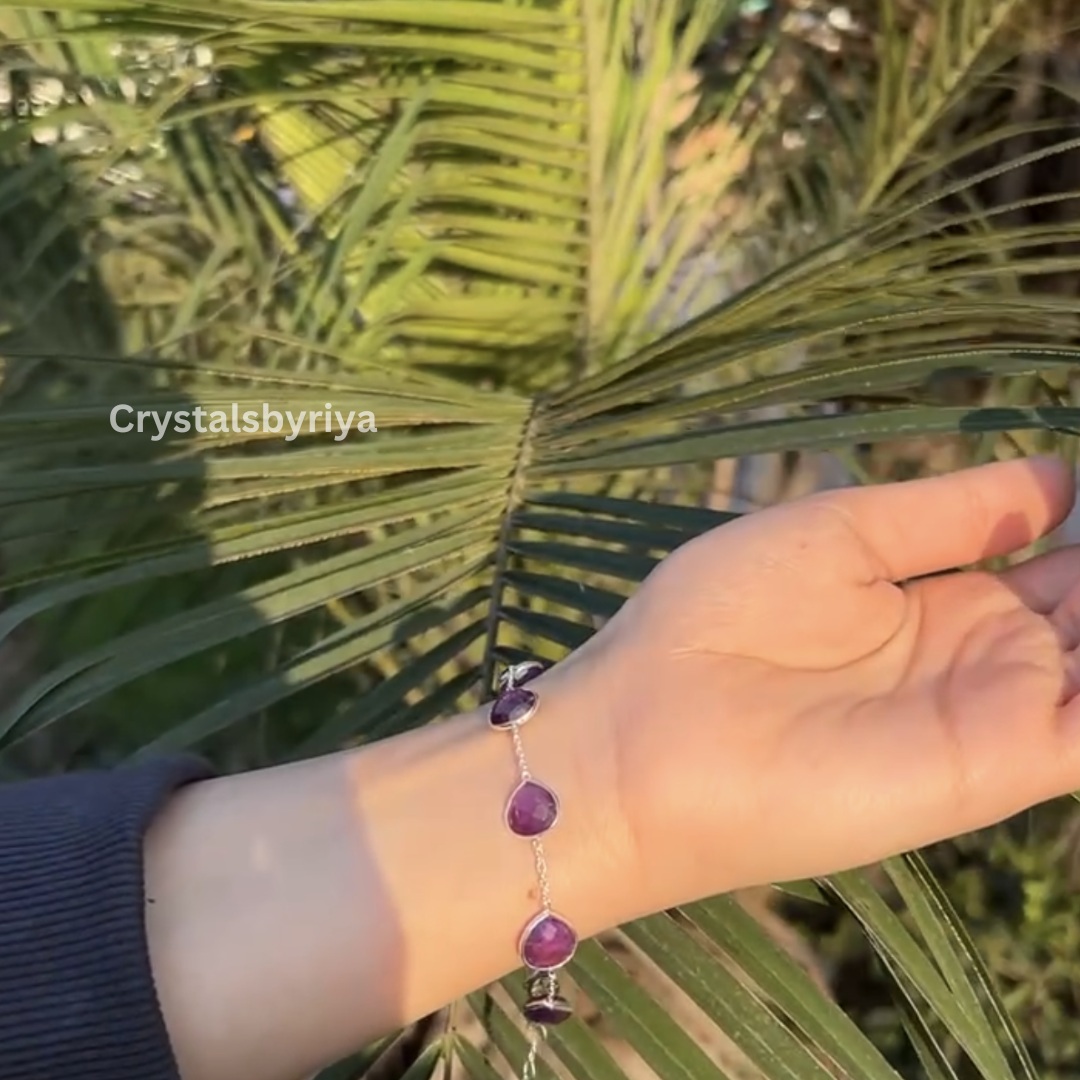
pixel 797 693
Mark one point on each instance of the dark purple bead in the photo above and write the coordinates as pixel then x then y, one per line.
pixel 512 707
pixel 547 1010
pixel 532 809
pixel 548 942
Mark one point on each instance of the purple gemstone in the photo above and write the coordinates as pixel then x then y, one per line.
pixel 552 1010
pixel 512 707
pixel 532 809
pixel 547 943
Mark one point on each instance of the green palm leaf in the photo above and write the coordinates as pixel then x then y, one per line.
pixel 524 236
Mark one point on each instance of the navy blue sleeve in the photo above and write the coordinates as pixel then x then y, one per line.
pixel 77 996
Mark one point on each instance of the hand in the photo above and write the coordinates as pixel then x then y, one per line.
pixel 784 705
pixel 770 705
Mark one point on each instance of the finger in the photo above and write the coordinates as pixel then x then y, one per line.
pixel 1043 583
pixel 925 526
pixel 1050 585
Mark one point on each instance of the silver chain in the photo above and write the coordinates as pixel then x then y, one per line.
pixel 536 1033
pixel 539 858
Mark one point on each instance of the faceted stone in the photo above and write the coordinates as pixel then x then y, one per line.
pixel 548 942
pixel 532 809
pixel 512 707
pixel 547 1010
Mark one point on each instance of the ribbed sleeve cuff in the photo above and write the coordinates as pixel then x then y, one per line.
pixel 77 996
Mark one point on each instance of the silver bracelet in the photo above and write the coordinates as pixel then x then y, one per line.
pixel 548 941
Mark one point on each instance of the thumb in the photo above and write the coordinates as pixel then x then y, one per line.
pixel 916 527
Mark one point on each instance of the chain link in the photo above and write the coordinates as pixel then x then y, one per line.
pixel 519 753
pixel 528 1070
pixel 542 873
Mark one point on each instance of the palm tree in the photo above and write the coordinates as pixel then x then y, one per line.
pixel 567 271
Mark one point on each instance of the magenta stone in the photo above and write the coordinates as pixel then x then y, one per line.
pixel 512 707
pixel 548 942
pixel 532 809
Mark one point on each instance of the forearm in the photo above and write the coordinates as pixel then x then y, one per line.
pixel 296 913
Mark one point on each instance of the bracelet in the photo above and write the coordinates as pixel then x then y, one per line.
pixel 548 941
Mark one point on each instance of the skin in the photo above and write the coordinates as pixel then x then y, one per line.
pixel 802 691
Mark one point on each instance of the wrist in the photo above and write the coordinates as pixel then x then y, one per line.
pixel 684 800
pixel 303 910
pixel 463 885
pixel 571 747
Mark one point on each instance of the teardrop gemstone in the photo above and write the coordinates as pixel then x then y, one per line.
pixel 532 809
pixel 512 707
pixel 547 942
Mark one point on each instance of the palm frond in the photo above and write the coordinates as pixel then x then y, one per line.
pixel 518 234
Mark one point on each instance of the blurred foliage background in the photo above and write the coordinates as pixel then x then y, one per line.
pixel 607 272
